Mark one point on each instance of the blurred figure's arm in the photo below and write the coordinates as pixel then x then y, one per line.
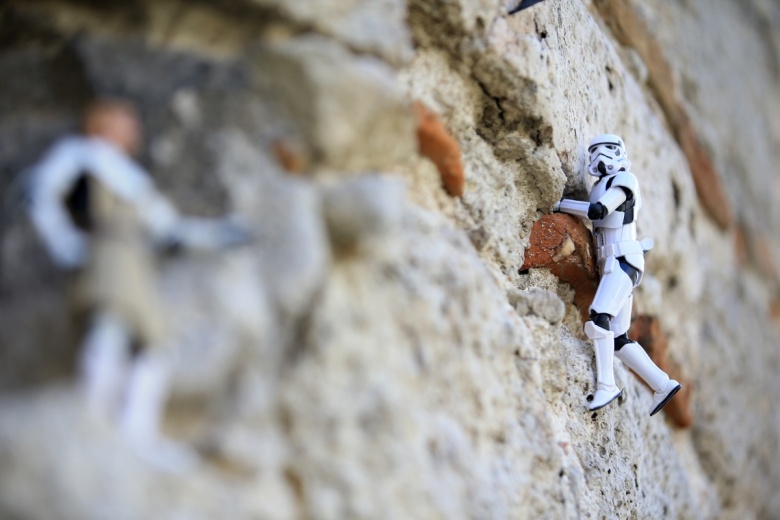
pixel 49 183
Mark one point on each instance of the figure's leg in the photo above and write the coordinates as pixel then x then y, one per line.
pixel 634 357
pixel 147 389
pixel 614 289
pixel 147 394
pixel 604 344
pixel 103 363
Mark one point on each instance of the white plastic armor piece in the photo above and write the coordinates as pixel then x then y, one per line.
pixel 607 155
pixel 573 207
pixel 55 176
pixel 604 343
pixel 614 204
pixel 635 357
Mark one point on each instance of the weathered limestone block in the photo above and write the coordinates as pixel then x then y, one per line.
pixel 503 187
pixel 483 387
pixel 363 209
pixel 375 27
pixel 290 249
pixel 538 302
pixel 349 110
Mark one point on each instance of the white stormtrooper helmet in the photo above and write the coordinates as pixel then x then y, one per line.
pixel 607 155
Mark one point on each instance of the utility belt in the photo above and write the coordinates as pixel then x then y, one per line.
pixel 624 248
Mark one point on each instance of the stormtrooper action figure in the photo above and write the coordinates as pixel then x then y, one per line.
pixel 614 203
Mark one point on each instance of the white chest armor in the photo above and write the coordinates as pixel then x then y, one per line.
pixel 615 235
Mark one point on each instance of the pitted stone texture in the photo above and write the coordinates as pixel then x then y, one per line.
pixel 290 248
pixel 500 193
pixel 471 419
pixel 538 302
pixel 349 110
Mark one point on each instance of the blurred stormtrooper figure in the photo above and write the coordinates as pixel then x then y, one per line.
pixel 99 214
pixel 613 206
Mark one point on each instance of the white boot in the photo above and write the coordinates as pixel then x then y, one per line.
pixel 147 394
pixel 635 358
pixel 604 346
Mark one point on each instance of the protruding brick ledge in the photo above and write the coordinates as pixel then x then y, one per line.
pixel 631 30
pixel 437 144
pixel 562 244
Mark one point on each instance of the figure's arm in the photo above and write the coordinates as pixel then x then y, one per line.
pixel 577 208
pixel 133 184
pixel 608 203
pixel 64 242
pixel 167 227
pixel 50 179
pixel 598 210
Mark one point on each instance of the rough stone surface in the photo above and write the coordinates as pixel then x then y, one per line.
pixel 363 210
pixel 369 27
pixel 383 349
pixel 342 106
pixel 630 28
pixel 540 302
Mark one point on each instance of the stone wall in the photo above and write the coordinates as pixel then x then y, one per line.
pixel 389 346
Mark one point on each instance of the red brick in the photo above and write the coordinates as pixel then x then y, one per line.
pixel 763 256
pixel 289 156
pixel 741 252
pixel 755 249
pixel 774 310
pixel 437 144
pixel 708 186
pixel 552 238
